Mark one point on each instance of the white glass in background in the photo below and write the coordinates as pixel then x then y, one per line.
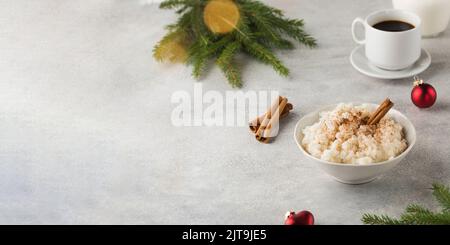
pixel 435 14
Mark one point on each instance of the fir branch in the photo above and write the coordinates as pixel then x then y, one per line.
pixel 183 24
pixel 198 57
pixel 263 26
pixel 228 53
pixel 225 62
pixel 159 49
pixel 278 44
pixel 416 214
pixel 268 16
pixel 294 29
pixel 266 33
pixel 243 31
pixel 199 54
pixel 215 47
pixel 261 17
pixel 415 208
pixel 260 28
pixel 265 55
pixel 371 219
pixel 426 218
pixel 199 64
pixel 198 27
pixel 442 195
pixel 252 47
pixel 233 75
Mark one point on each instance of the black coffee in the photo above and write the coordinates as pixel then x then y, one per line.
pixel 393 26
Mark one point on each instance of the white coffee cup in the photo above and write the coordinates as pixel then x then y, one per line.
pixel 390 50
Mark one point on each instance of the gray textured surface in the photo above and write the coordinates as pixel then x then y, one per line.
pixel 86 137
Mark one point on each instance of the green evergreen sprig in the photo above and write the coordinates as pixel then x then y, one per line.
pixel 417 214
pixel 261 29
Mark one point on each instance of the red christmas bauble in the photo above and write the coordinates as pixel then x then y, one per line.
pixel 423 94
pixel 300 218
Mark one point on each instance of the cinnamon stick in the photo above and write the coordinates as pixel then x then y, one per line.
pixel 271 120
pixel 380 112
pixel 269 114
pixel 256 123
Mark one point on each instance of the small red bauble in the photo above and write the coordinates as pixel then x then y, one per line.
pixel 423 94
pixel 300 218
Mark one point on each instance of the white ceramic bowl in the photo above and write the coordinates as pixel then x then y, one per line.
pixel 353 173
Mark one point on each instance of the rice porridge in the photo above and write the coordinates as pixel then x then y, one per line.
pixel 342 136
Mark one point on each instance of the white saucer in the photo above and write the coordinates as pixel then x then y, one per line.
pixel 361 63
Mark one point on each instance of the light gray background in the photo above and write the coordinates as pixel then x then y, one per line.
pixel 86 136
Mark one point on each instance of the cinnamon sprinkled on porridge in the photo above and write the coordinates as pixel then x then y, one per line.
pixel 342 136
